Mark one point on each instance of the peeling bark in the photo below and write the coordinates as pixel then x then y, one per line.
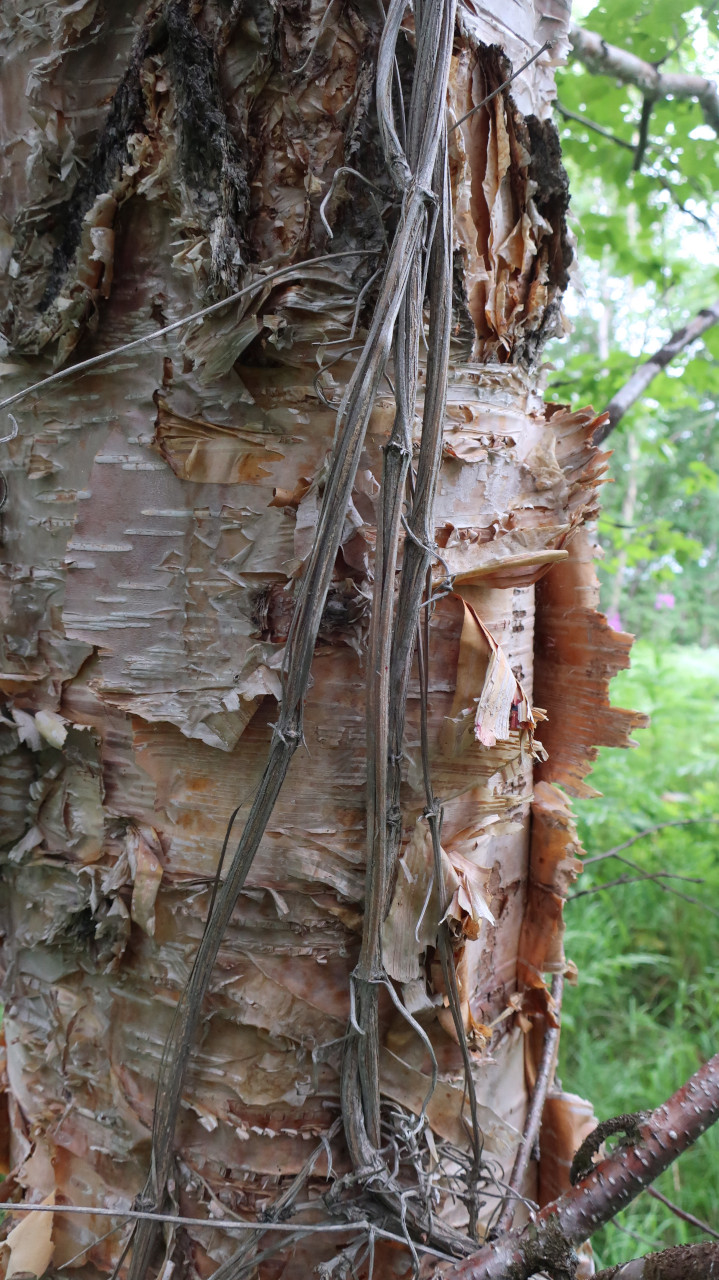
pixel 160 516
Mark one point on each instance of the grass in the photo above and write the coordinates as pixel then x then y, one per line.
pixel 644 1014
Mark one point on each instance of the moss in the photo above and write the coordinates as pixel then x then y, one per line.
pixel 545 1250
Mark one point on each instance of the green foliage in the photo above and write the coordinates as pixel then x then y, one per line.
pixel 649 258
pixel 634 216
pixel 643 1015
pixel 663 541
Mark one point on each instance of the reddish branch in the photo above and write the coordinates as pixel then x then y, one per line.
pixel 684 1262
pixel 641 378
pixel 682 1213
pixel 548 1241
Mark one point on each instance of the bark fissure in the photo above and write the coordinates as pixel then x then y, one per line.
pixel 111 153
pixel 212 162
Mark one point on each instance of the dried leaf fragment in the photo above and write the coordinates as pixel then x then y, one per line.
pixel 143 846
pixel 31 1243
pixel 416 910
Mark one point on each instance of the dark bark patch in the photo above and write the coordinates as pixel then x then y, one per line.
pixel 345 609
pixel 125 117
pixel 552 194
pixel 212 162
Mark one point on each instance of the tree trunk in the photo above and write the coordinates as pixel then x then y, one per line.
pixel 160 512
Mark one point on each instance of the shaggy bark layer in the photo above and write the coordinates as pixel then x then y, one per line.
pixel 160 516
pixel 684 1262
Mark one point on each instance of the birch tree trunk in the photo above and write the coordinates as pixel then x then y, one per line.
pixel 159 516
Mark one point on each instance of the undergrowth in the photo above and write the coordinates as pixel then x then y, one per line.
pixel 644 1013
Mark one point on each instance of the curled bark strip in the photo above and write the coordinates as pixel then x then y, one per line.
pixel 683 1262
pixel 534 1113
pixel 282 1206
pixel 662 1136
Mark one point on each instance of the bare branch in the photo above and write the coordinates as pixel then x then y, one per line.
pixel 682 1213
pixel 637 879
pixel 607 60
pixel 566 114
pixel 644 375
pixel 683 1262
pixel 647 108
pixel 661 1136
pixel 648 831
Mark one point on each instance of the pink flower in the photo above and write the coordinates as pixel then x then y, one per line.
pixel 664 600
pixel 614 620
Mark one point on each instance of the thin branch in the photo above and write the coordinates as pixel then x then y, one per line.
pixel 633 1235
pixel 660 1137
pixel 648 831
pixel 675 893
pixel 566 114
pixel 547 45
pixel 658 879
pixel 641 378
pixel 647 108
pixel 683 1262
pixel 642 875
pixel 533 1121
pixel 606 59
pixel 682 1213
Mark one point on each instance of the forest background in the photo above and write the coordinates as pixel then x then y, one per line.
pixel 645 198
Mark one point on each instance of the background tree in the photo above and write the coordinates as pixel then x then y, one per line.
pixel 637 109
pixel 643 941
